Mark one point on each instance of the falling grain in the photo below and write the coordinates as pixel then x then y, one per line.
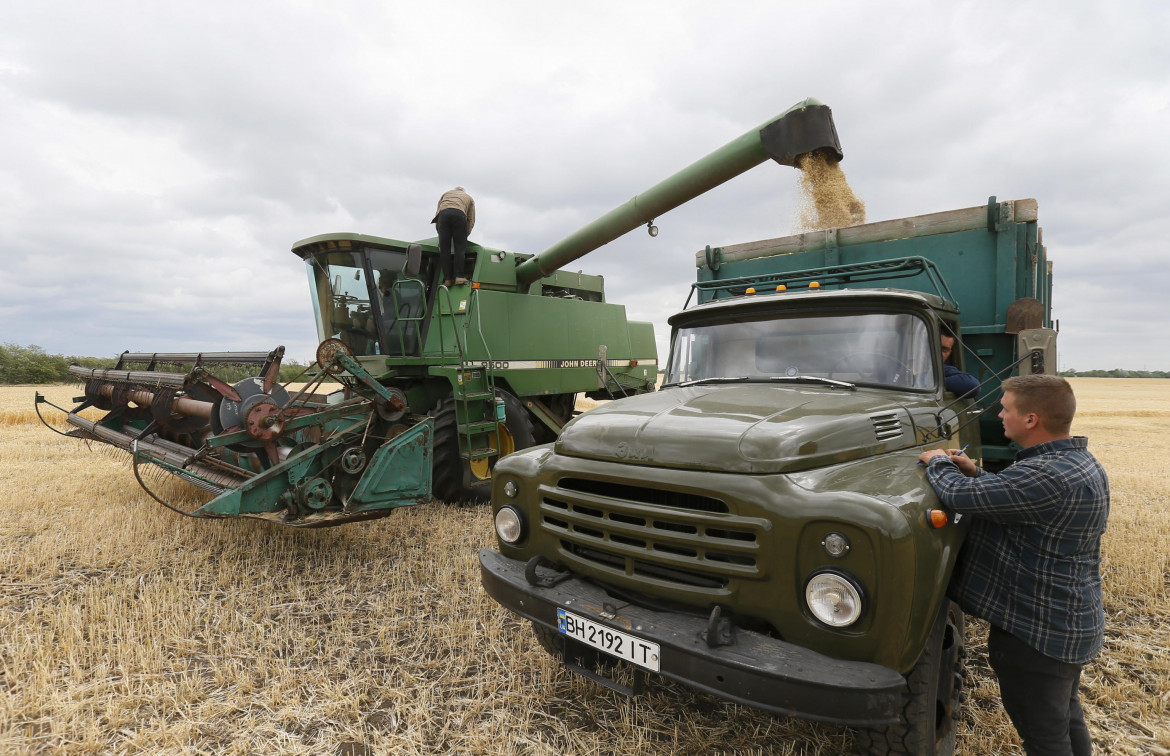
pixel 827 199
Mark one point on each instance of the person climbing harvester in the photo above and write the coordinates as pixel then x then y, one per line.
pixel 454 219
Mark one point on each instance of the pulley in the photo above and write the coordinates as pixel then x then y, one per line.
pixel 314 493
pixel 353 460
pixel 327 353
pixel 392 409
pixel 257 412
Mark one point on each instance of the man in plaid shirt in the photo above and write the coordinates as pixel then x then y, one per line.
pixel 1031 561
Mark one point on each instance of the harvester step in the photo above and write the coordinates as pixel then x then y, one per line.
pixel 481 453
pixel 477 396
pixel 484 427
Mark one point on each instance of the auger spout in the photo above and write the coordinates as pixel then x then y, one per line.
pixel 805 127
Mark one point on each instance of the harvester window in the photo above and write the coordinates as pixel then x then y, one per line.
pixel 884 349
pixel 343 301
pixel 374 300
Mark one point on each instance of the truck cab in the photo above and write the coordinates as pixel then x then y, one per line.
pixel 760 527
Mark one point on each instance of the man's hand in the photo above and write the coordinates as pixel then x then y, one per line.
pixel 926 456
pixel 965 464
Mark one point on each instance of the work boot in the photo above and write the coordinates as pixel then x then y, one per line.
pixel 460 281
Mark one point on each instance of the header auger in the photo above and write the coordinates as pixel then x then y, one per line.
pixel 431 383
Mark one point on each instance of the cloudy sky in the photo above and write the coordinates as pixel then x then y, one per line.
pixel 157 159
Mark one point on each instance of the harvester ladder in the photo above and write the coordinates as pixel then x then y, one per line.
pixel 474 390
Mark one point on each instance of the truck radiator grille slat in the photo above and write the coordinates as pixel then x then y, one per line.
pixel 886 426
pixel 689 546
pixel 644 495
pixel 647 569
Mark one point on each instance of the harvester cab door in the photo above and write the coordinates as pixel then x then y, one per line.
pixel 401 300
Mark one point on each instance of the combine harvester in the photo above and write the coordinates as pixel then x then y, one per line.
pixel 436 382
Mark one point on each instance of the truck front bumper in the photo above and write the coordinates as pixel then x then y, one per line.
pixel 755 670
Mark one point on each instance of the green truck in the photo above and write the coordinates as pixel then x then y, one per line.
pixel 760 528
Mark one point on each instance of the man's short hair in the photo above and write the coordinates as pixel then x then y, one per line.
pixel 1050 397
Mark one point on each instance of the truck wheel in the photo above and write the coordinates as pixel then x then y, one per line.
pixel 934 688
pixel 451 477
pixel 549 640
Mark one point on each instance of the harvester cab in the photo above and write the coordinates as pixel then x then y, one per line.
pixel 372 298
pixel 418 387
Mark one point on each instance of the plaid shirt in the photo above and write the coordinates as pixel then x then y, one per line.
pixel 1031 561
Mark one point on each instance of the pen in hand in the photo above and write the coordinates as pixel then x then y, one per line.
pixel 959 453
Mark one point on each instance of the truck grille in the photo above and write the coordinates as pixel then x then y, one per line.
pixel 674 537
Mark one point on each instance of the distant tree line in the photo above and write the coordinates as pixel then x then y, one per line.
pixel 1115 373
pixel 32 365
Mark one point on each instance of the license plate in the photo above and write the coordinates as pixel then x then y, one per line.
pixel 613 642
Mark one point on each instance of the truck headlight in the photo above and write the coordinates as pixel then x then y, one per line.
pixel 833 599
pixel 509 525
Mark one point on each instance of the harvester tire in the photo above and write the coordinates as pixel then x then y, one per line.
pixel 561 406
pixel 451 478
pixel 450 474
pixel 934 690
pixel 518 420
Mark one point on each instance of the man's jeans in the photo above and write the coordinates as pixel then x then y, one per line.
pixel 1040 695
pixel 452 227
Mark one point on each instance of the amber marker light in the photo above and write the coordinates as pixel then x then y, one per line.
pixel 750 290
pixel 781 287
pixel 936 518
pixel 475 284
pixel 814 284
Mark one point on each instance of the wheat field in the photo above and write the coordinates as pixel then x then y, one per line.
pixel 127 629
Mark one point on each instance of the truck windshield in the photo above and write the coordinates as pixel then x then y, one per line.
pixel 882 349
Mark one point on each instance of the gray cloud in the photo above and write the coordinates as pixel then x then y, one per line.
pixel 157 162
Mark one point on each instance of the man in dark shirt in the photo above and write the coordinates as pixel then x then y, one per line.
pixel 1031 561
pixel 954 380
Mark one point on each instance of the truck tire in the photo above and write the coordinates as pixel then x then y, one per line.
pixel 550 641
pixel 451 476
pixel 934 688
